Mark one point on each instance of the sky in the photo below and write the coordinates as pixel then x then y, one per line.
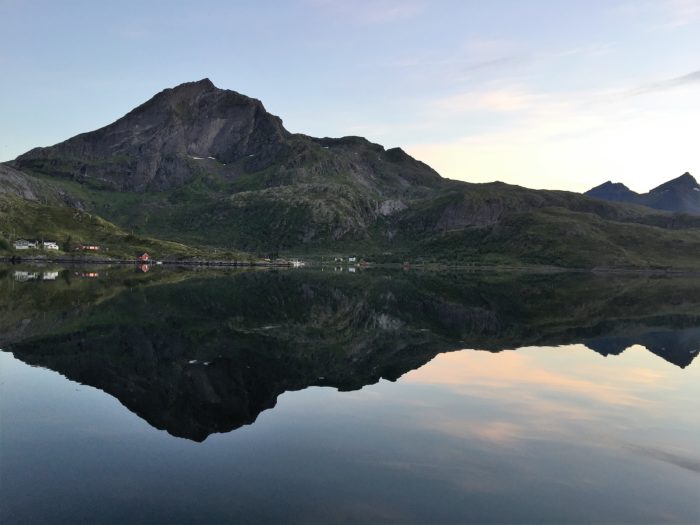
pixel 544 94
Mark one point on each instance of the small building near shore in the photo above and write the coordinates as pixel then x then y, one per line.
pixel 26 276
pixel 144 257
pixel 88 248
pixel 50 245
pixel 21 244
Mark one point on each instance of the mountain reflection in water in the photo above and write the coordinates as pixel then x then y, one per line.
pixel 197 354
pixel 454 397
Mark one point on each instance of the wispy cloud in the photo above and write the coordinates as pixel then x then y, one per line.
pixel 540 131
pixel 462 64
pixel 682 12
pixel 674 458
pixel 668 14
pixel 563 110
pixel 665 85
pixel 506 100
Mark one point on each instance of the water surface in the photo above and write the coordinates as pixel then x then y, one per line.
pixel 317 397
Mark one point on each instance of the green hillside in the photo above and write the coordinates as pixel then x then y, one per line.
pixel 204 166
pixel 69 227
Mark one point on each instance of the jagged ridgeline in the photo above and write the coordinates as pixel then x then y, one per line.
pixel 197 354
pixel 207 166
pixel 678 195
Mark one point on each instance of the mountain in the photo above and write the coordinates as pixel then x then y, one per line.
pixel 197 128
pixel 613 191
pixel 681 194
pixel 207 166
pixel 153 147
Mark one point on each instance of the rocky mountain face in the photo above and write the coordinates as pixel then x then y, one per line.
pixel 153 147
pixel 681 194
pixel 15 183
pixel 207 166
pixel 198 128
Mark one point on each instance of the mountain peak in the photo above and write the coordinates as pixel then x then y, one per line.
pixel 612 191
pixel 184 92
pixel 200 85
pixel 616 185
pixel 681 194
pixel 205 82
pixel 685 182
pixel 687 178
pixel 157 145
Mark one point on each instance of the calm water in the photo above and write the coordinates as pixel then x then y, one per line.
pixel 323 397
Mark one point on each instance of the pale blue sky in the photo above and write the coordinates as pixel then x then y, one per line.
pixel 547 94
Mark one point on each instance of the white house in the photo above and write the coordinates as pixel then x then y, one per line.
pixel 50 245
pixel 21 244
pixel 26 276
pixel 352 259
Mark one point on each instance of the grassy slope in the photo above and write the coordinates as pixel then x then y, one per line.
pixel 31 220
pixel 563 238
pixel 511 225
pixel 241 213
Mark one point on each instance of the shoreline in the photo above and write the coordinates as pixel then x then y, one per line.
pixel 154 262
pixel 602 271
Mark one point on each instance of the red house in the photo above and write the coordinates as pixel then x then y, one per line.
pixel 144 257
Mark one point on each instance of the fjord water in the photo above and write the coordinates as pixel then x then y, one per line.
pixel 320 397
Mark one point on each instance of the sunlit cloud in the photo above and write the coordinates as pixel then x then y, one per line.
pixel 509 370
pixel 567 140
pixel 516 398
pixel 502 433
pixel 498 100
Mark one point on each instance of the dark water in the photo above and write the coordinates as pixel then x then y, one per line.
pixel 322 397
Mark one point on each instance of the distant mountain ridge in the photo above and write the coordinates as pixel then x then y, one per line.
pixel 681 194
pixel 210 167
